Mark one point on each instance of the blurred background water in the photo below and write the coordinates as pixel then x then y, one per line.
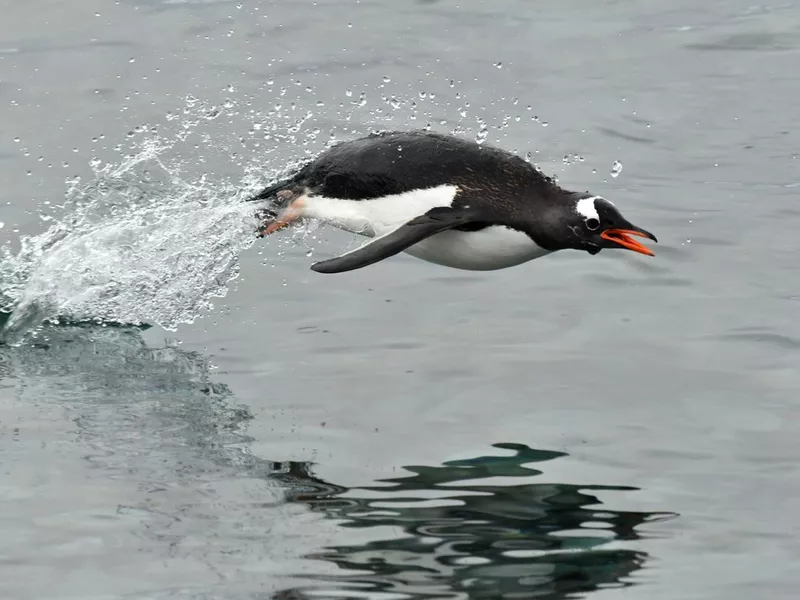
pixel 578 426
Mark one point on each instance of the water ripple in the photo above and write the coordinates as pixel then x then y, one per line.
pixel 460 534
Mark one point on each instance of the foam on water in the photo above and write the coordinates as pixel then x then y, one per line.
pixel 137 244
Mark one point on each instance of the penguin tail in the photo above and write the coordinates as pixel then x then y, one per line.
pixel 283 204
pixel 271 192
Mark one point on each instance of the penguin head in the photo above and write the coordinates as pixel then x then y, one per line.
pixel 594 223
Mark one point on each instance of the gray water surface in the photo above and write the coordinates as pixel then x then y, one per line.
pixel 605 427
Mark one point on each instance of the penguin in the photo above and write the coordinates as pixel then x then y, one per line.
pixel 445 200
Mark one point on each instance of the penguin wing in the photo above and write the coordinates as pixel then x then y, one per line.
pixel 397 240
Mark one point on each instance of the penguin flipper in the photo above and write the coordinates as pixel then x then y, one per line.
pixel 397 240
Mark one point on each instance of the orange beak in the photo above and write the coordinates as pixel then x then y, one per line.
pixel 624 239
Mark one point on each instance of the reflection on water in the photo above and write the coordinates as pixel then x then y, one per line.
pixel 116 385
pixel 153 447
pixel 476 528
pixel 464 536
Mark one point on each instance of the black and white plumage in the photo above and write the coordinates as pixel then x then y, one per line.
pixel 445 200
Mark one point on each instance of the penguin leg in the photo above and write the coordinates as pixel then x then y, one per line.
pixel 295 204
pixel 397 240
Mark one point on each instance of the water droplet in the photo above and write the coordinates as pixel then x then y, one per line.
pixel 452 83
pixel 594 170
pixel 350 25
pixel 310 253
pixel 572 159
pixel 423 95
pixel 616 168
pixel 498 65
pixel 131 60
pixel 544 123
pixel 18 140
pixel 348 93
pixel 230 89
pixel 483 132
pixel 386 79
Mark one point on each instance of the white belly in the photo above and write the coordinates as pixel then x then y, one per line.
pixel 379 215
pixel 494 247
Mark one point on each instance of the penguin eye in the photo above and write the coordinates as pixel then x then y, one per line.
pixel 592 223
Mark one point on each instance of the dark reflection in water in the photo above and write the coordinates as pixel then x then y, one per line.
pixel 152 419
pixel 154 416
pixel 157 406
pixel 463 537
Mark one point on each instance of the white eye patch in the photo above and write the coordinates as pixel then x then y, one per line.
pixel 586 208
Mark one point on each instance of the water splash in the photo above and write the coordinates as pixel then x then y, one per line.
pixel 148 241
pixel 136 244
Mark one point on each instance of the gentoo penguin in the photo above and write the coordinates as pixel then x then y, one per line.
pixel 445 200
